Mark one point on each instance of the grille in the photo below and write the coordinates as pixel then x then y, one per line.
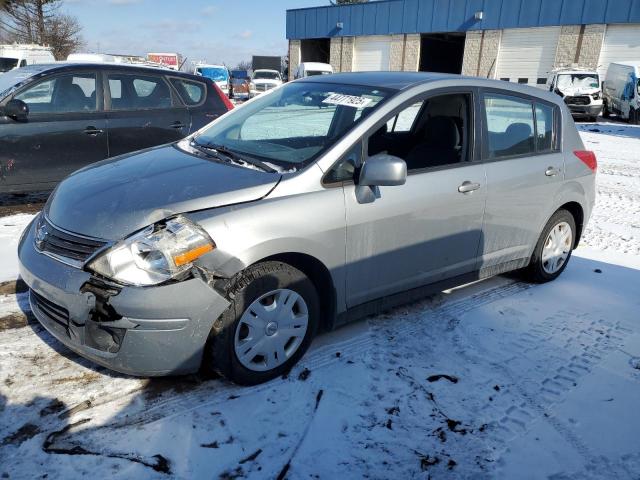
pixel 52 240
pixel 52 311
pixel 264 87
pixel 579 100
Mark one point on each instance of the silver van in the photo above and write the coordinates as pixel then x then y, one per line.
pixel 324 200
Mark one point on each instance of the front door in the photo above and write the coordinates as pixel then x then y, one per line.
pixel 142 112
pixel 65 131
pixel 430 228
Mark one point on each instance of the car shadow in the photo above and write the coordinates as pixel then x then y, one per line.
pixel 615 129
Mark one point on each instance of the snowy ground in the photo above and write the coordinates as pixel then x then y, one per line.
pixel 499 379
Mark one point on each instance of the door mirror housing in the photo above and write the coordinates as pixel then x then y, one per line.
pixel 16 109
pixel 383 169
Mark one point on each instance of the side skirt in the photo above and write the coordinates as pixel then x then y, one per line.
pixel 375 307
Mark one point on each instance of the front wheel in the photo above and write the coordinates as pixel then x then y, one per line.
pixel 553 250
pixel 605 110
pixel 271 320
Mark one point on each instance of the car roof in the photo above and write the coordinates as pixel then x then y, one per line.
pixel 62 66
pixel 405 80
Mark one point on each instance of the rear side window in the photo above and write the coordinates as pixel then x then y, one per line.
pixel 510 126
pixel 138 92
pixel 191 93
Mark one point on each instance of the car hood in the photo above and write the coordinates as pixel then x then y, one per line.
pixel 114 198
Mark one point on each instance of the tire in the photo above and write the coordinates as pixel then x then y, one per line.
pixel 234 330
pixel 605 110
pixel 541 271
pixel 633 117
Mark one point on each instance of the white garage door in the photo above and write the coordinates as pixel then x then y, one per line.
pixel 621 44
pixel 371 53
pixel 527 55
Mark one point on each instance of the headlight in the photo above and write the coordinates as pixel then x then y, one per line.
pixel 252 86
pixel 596 96
pixel 156 254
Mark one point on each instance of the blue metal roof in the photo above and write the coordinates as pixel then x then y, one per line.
pixel 420 16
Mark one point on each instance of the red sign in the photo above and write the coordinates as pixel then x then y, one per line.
pixel 170 60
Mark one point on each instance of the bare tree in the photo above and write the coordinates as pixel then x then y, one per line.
pixel 41 22
pixel 243 65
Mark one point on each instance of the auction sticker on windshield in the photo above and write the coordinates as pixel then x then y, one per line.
pixel 347 100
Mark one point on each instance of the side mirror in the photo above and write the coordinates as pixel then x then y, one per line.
pixel 16 109
pixel 638 88
pixel 383 170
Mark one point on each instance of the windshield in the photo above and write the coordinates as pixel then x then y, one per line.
pixel 293 125
pixel 216 74
pixel 311 73
pixel 7 63
pixel 267 75
pixel 578 80
pixel 15 78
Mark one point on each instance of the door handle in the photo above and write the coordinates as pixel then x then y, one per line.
pixel 177 125
pixel 551 172
pixel 468 187
pixel 93 131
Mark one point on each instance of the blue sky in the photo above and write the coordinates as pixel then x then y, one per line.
pixel 211 30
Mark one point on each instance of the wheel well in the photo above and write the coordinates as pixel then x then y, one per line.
pixel 321 279
pixel 575 210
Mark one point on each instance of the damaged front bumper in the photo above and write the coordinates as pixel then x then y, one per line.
pixel 146 331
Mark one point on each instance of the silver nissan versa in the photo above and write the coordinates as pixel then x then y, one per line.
pixel 324 200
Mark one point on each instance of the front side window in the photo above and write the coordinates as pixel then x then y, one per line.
pixel 62 94
pixel 138 92
pixel 292 126
pixel 510 129
pixel 427 134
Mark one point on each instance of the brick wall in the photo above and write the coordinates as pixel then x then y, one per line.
pixel 411 53
pixel 294 57
pixel 481 53
pixel 579 45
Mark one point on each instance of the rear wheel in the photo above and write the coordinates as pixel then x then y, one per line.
pixel 553 250
pixel 271 320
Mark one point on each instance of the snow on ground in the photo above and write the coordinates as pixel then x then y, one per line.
pixel 498 379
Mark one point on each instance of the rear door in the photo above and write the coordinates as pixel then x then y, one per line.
pixel 202 98
pixel 524 165
pixel 142 111
pixel 65 130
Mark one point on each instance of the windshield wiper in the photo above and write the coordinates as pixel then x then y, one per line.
pixel 234 157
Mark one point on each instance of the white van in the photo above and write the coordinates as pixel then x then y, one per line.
pixel 16 56
pixel 308 69
pixel 91 58
pixel 580 89
pixel 622 91
pixel 218 73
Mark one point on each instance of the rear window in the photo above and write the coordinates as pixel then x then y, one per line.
pixel 191 93
pixel 517 126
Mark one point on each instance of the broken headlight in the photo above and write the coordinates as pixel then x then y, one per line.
pixel 154 255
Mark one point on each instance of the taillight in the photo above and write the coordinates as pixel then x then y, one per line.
pixel 223 97
pixel 588 158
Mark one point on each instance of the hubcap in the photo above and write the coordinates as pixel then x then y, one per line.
pixel 557 248
pixel 271 330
